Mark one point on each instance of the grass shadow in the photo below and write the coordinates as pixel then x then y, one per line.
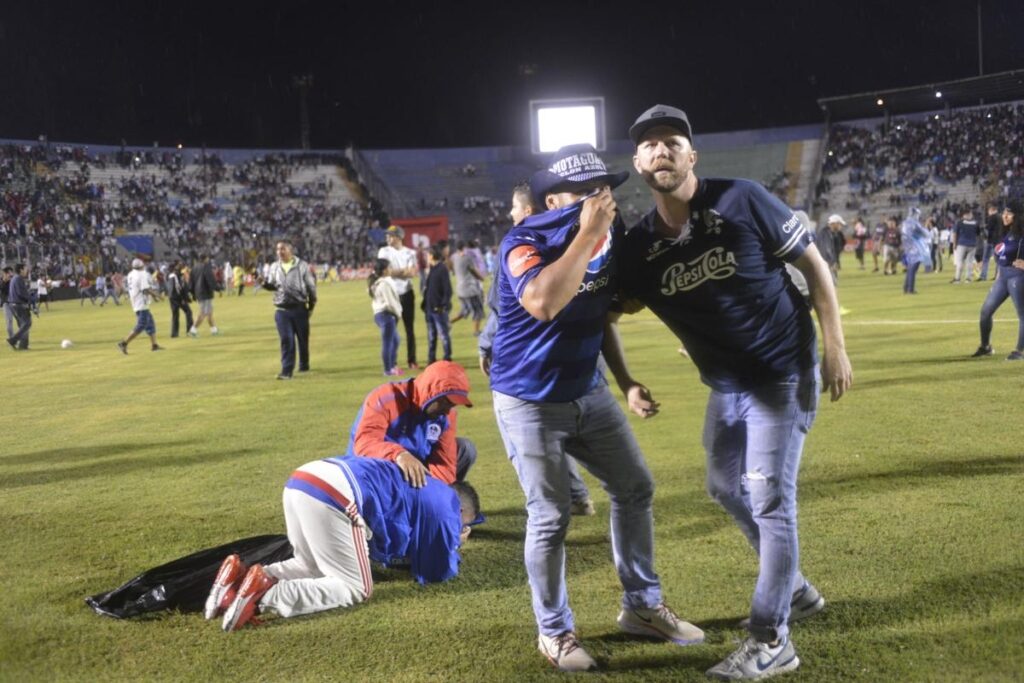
pixel 61 455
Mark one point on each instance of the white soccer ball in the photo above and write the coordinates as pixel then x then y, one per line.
pixel 66 344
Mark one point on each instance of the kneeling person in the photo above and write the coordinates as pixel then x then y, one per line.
pixel 341 513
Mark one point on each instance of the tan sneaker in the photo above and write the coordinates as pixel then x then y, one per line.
pixel 565 652
pixel 659 622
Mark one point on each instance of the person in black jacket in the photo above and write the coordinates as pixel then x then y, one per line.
pixel 437 304
pixel 204 284
pixel 179 294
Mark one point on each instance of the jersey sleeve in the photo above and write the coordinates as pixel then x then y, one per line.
pixel 521 262
pixel 785 235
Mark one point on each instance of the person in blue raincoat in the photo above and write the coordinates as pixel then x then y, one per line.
pixel 916 248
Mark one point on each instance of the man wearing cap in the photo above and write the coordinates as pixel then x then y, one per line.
pixel 403 270
pixel 709 261
pixel 827 244
pixel 141 292
pixel 559 270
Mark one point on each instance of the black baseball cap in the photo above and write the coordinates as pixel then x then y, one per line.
pixel 660 115
pixel 571 167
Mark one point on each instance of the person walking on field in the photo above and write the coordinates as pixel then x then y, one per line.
pixel 142 291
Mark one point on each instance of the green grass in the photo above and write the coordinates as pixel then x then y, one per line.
pixel 911 517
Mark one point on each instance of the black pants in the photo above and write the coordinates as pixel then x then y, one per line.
pixel 408 301
pixel 22 314
pixel 293 329
pixel 177 306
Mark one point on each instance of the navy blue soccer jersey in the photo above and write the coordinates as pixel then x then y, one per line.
pixel 552 361
pixel 722 287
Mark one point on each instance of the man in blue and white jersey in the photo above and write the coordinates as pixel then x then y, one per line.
pixel 559 270
pixel 709 261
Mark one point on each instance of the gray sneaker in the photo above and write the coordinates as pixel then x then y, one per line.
pixel 806 602
pixel 565 652
pixel 754 660
pixel 659 622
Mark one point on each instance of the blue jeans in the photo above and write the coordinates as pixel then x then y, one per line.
pixel 437 325
pixel 388 324
pixel 985 258
pixel 754 441
pixel 1008 284
pixel 293 329
pixel 144 322
pixel 909 282
pixel 539 437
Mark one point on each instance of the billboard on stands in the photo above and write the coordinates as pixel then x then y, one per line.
pixel 422 232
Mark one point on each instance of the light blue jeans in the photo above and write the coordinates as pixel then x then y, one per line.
pixel 592 429
pixel 754 440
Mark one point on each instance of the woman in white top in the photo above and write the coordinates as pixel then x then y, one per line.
pixel 387 309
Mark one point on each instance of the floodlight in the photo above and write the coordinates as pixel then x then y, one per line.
pixel 556 123
pixel 879 101
pixel 938 93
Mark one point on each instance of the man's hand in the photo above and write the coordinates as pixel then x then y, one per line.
pixel 640 402
pixel 598 213
pixel 836 372
pixel 464 534
pixel 413 470
pixel 485 365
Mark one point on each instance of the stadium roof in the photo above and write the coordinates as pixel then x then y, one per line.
pixel 1001 87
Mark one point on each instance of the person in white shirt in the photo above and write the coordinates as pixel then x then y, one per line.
pixel 402 262
pixel 141 291
pixel 42 292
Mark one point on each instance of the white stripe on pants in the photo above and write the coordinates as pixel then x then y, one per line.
pixel 331 566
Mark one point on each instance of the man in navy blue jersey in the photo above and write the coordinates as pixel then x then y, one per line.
pixel 559 270
pixel 709 261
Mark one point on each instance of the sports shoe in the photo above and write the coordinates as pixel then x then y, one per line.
pixel 754 660
pixel 582 508
pixel 12 344
pixel 225 586
pixel 157 347
pixel 394 372
pixel 194 333
pixel 284 376
pixel 214 331
pixel 257 582
pixel 659 622
pixel 565 652
pixel 1015 355
pixel 982 351
pixel 806 602
pixel 414 366
pixel 122 346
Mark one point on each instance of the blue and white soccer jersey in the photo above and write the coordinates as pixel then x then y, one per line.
pixel 555 360
pixel 722 286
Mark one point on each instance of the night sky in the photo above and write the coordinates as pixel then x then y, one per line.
pixel 461 74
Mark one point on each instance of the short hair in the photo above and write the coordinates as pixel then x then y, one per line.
pixel 8 269
pixel 18 267
pixel 460 245
pixel 286 241
pixel 437 251
pixel 469 500
pixel 522 188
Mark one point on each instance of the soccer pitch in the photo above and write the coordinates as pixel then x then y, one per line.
pixel 911 518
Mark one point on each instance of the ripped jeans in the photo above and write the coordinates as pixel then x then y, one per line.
pixel 753 441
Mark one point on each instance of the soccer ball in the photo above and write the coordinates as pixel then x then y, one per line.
pixel 66 344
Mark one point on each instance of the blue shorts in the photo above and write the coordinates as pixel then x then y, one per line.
pixel 144 322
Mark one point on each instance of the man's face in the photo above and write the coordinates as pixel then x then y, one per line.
pixel 394 240
pixel 835 226
pixel 284 252
pixel 664 158
pixel 438 407
pixel 521 208
pixel 560 200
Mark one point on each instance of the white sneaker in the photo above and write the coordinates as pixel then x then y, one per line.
pixel 565 652
pixel 806 602
pixel 193 332
pixel 754 660
pixel 214 330
pixel 659 622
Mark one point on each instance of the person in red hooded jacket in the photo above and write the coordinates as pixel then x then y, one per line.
pixel 412 424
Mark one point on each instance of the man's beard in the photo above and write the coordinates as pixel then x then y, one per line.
pixel 665 181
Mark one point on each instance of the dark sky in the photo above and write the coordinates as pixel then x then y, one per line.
pixel 387 74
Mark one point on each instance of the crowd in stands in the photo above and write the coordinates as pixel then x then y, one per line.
pixel 56 213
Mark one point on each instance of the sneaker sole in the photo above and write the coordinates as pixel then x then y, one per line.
pixel 809 611
pixel 239 613
pixel 651 632
pixel 215 601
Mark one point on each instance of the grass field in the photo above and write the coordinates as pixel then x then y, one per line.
pixel 911 517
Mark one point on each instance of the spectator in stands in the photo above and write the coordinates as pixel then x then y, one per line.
pixel 204 286
pixel 437 305
pixel 19 299
pixel 403 269
pixel 993 233
pixel 892 241
pixel 965 239
pixel 179 293
pixel 1009 282
pixel 468 287
pixel 916 248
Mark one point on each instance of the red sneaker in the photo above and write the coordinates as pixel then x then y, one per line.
pixel 225 586
pixel 257 582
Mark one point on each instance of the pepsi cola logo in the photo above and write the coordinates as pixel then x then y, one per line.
pixel 601 255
